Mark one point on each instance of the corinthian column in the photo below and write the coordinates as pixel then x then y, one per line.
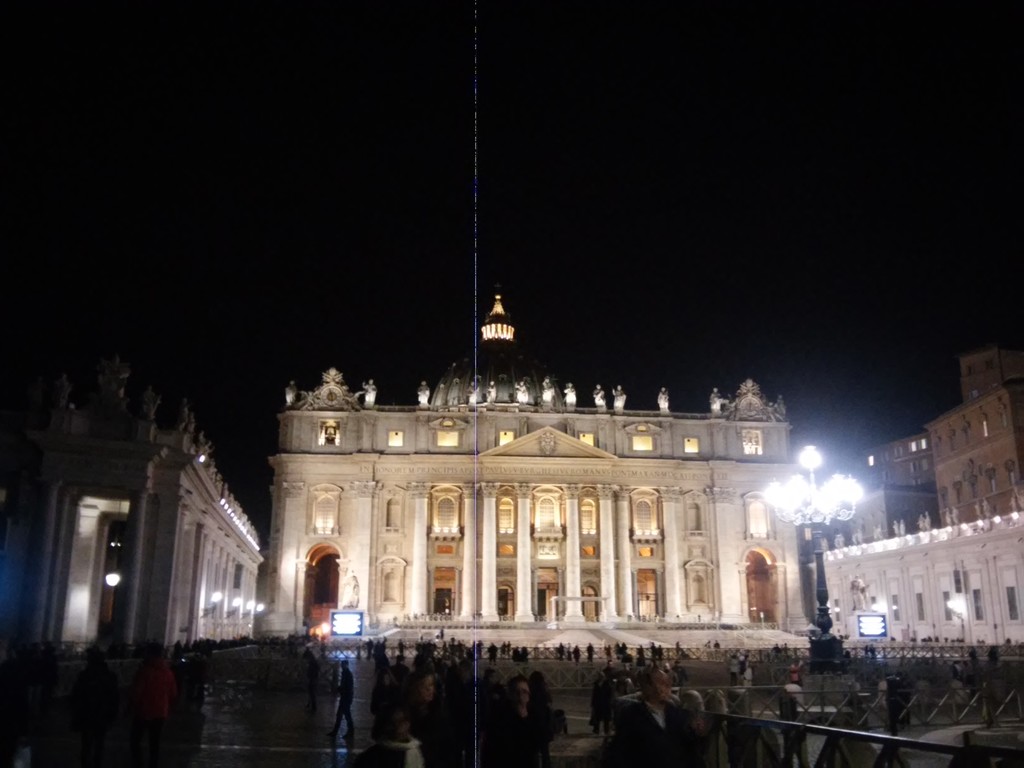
pixel 418 598
pixel 625 552
pixel 572 552
pixel 469 552
pixel 45 563
pixel 488 557
pixel 524 602
pixel 136 536
pixel 608 603
pixel 670 504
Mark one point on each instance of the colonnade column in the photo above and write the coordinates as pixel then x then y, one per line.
pixel 670 505
pixel 137 530
pixel 625 551
pixel 46 561
pixel 572 552
pixel 608 602
pixel 488 558
pixel 418 598
pixel 524 601
pixel 469 552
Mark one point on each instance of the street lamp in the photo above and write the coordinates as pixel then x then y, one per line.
pixel 802 502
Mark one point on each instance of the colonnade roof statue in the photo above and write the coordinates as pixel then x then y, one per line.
pixel 508 378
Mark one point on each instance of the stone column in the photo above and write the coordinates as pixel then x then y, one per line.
pixel 45 562
pixel 670 505
pixel 524 600
pixel 360 554
pixel 418 597
pixel 625 552
pixel 468 552
pixel 573 608
pixel 489 555
pixel 136 538
pixel 609 612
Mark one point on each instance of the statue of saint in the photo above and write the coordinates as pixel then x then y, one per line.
pixel 570 395
pixel 599 396
pixel 290 393
pixel 492 393
pixel 858 590
pixel 717 401
pixel 423 393
pixel 61 392
pixel 620 397
pixel 369 394
pixel 840 541
pixel 663 400
pixel 350 591
pixel 548 391
pixel 522 393
pixel 878 533
pixel 1018 498
pixel 184 416
pixel 474 391
pixel 150 401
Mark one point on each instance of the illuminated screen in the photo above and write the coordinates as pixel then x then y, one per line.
pixel 346 623
pixel 872 625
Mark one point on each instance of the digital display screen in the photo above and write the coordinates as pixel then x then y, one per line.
pixel 872 625
pixel 346 623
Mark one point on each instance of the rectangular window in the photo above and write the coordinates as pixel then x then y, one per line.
pixel 588 551
pixel 506 436
pixel 643 443
pixel 752 442
pixel 1012 607
pixel 948 612
pixel 396 438
pixel 329 434
pixel 691 445
pixel 506 550
pixel 447 439
pixel 979 609
pixel 894 601
pixel 445 549
pixel 919 604
pixel 958 584
pixel 587 437
pixel 236 583
pixel 645 551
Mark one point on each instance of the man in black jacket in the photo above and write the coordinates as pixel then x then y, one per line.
pixel 655 732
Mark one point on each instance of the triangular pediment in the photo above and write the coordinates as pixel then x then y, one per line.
pixel 548 442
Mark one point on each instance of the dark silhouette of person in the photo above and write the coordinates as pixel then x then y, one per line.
pixel 312 678
pixel 153 692
pixel 95 697
pixel 346 693
pixel 430 723
pixel 602 697
pixel 540 709
pixel 511 739
pixel 14 705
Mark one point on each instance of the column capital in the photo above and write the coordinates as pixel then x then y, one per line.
pixel 671 494
pixel 523 489
pixel 572 491
pixel 606 492
pixel 721 494
pixel 418 490
pixel 490 490
pixel 363 489
pixel 621 493
pixel 469 489
pixel 292 489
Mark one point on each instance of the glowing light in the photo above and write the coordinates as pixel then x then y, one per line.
pixel 236 602
pixel 216 597
pixel 112 579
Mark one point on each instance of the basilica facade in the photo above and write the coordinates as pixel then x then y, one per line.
pixel 495 496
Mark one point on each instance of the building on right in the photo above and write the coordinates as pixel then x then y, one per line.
pixel 937 554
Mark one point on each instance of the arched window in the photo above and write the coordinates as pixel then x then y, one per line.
pixel 588 516
pixel 643 518
pixel 757 515
pixel 445 516
pixel 392 515
pixel 546 513
pixel 506 516
pixel 325 514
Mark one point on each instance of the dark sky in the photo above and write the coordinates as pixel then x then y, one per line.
pixel 674 195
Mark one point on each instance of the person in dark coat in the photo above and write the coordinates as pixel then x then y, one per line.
pixel 312 678
pixel 95 697
pixel 602 698
pixel 14 704
pixel 512 739
pixel 542 713
pixel 654 732
pixel 346 694
pixel 394 746
pixel 429 721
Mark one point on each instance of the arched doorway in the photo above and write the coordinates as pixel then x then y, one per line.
pixel 321 587
pixel 762 599
pixel 506 600
pixel 590 607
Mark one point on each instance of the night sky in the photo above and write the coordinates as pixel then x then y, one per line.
pixel 826 201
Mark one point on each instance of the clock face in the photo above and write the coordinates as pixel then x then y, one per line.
pixel 331 396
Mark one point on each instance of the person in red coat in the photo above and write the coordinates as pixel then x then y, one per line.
pixel 153 692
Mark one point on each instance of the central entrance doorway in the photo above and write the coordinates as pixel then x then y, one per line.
pixel 444 591
pixel 547 588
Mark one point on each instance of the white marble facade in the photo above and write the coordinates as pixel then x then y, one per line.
pixel 492 507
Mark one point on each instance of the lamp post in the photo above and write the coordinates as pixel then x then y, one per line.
pixel 801 502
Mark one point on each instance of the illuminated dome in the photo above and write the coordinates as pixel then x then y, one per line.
pixel 517 379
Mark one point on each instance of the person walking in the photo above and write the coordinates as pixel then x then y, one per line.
pixel 94 703
pixel 540 710
pixel 654 732
pixel 346 693
pixel 312 678
pixel 153 692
